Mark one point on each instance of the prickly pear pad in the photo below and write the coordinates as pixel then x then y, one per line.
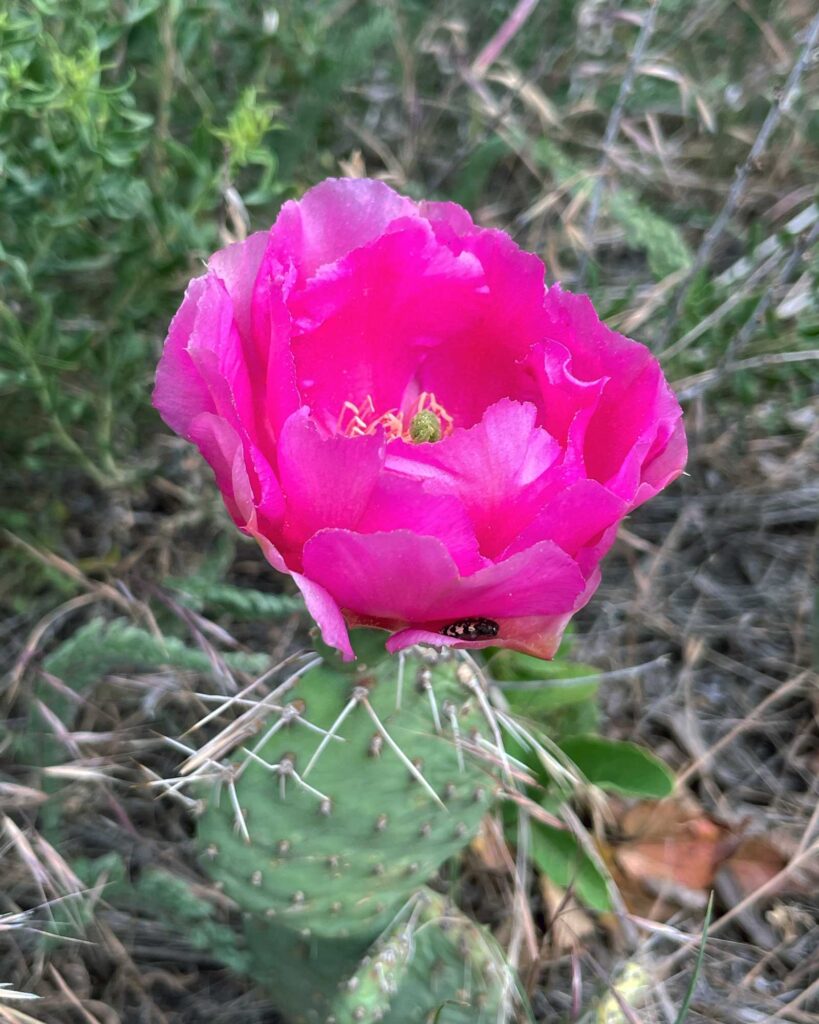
pixel 434 964
pixel 370 785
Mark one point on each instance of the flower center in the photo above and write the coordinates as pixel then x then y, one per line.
pixel 425 427
pixel 425 421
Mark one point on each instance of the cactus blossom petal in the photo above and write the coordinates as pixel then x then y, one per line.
pixel 417 429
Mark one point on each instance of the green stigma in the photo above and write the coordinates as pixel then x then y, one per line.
pixel 425 427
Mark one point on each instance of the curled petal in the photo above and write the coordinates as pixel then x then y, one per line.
pixel 448 220
pixel 327 481
pixel 335 217
pixel 497 470
pixel 248 484
pixel 237 267
pixel 406 579
pixel 180 394
pixel 634 417
pixel 666 465
pixel 326 614
pixel 574 519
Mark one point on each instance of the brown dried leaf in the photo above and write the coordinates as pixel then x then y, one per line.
pixel 569 924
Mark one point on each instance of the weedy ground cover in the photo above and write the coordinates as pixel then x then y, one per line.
pixel 662 157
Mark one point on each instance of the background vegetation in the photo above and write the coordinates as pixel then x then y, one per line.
pixel 661 156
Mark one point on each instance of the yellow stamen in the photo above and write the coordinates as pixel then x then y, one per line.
pixel 424 422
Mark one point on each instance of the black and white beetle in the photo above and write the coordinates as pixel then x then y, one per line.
pixel 472 629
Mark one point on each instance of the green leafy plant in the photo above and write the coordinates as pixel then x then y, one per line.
pixel 558 700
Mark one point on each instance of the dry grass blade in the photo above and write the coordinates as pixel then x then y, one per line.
pixel 508 30
pixel 612 130
pixel 779 107
pixel 245 726
pixel 738 343
pixel 696 384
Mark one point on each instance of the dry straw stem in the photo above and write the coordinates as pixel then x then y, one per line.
pixel 740 340
pixel 612 131
pixel 505 34
pixel 708 323
pixel 753 720
pixel 696 384
pixel 779 107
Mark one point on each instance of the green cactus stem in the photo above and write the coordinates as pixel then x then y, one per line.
pixel 435 966
pixel 365 783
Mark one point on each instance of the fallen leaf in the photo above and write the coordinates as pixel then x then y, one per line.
pixel 672 841
pixel 669 852
pixel 489 846
pixel 754 863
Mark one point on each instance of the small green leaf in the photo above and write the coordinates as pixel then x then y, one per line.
pixel 619 766
pixel 559 856
pixel 560 710
pixel 560 696
pixel 551 696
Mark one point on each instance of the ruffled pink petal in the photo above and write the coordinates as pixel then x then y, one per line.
pixel 566 403
pixel 334 218
pixel 665 466
pixel 484 360
pixel 365 324
pixel 623 430
pixel 574 519
pixel 273 365
pixel 597 351
pixel 327 481
pixel 326 614
pixel 496 469
pixel 449 220
pixel 399 503
pixel 203 367
pixel 405 579
pixel 237 267
pixel 221 447
pixel 180 394
pixel 226 454
pixel 634 417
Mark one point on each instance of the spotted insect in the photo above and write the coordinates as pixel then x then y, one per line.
pixel 472 629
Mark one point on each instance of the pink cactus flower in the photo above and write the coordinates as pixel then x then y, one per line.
pixel 411 424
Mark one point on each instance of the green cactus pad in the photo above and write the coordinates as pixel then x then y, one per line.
pixel 302 974
pixel 434 966
pixel 340 859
